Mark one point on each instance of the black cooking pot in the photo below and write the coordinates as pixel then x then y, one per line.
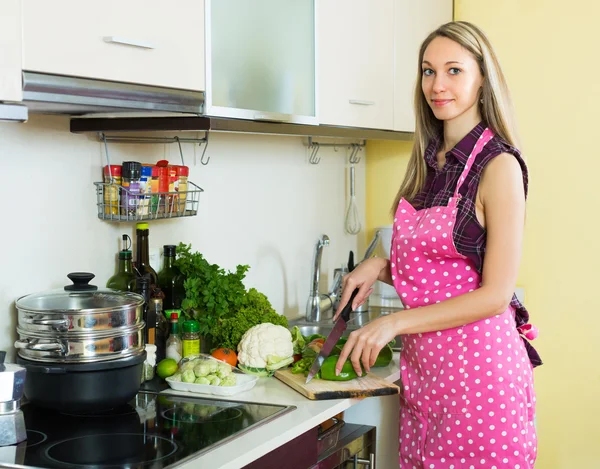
pixel 83 387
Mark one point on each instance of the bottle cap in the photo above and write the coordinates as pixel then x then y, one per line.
pixel 169 250
pixel 174 317
pixel 125 255
pixel 191 326
pixel 115 170
pixel 141 226
pixel 147 171
pixel 183 170
pixel 132 169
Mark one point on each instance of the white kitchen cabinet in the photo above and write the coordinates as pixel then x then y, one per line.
pixel 355 63
pixel 11 88
pixel 148 42
pixel 261 60
pixel 414 20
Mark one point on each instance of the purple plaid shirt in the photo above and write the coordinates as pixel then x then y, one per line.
pixel 469 236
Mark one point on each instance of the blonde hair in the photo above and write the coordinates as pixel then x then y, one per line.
pixel 496 109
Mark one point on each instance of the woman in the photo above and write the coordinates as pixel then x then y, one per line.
pixel 467 370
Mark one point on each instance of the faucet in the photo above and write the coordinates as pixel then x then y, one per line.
pixel 319 303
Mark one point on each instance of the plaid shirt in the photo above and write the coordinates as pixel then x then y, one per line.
pixel 469 236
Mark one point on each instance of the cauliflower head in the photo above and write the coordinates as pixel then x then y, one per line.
pixel 266 346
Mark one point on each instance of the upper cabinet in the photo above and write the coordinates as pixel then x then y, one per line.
pixel 414 20
pixel 260 59
pixel 148 42
pixel 355 72
pixel 10 51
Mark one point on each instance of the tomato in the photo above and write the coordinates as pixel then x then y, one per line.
pixel 297 357
pixel 318 341
pixel 226 355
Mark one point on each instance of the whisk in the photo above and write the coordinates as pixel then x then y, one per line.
pixel 352 222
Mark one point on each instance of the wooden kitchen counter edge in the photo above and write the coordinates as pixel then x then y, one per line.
pixel 264 439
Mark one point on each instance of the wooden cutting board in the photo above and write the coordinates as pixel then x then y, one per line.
pixel 319 389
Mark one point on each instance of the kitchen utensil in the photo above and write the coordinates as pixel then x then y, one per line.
pixel 80 347
pixel 79 308
pixel 332 338
pixel 83 387
pixel 338 274
pixel 12 422
pixel 352 222
pixel 351 261
pixel 318 389
pixel 372 245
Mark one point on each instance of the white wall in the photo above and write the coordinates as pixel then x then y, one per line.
pixel 264 205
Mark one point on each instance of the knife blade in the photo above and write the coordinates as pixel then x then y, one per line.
pixel 340 326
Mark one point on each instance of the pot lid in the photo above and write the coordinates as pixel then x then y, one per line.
pixel 79 297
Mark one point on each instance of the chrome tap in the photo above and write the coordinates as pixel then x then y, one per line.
pixel 318 303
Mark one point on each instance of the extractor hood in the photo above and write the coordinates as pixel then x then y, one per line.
pixel 57 94
pixel 13 112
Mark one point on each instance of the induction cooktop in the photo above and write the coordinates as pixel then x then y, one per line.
pixel 153 431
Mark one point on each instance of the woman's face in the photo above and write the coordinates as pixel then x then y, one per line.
pixel 451 79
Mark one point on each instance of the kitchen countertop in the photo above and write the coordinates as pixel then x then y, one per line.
pixel 262 440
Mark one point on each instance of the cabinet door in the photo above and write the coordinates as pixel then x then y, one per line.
pixel 414 20
pixel 11 88
pixel 355 72
pixel 134 41
pixel 261 60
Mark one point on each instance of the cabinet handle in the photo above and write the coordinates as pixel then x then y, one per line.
pixel 127 42
pixel 362 102
pixel 370 463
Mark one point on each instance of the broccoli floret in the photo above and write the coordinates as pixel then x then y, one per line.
pixel 228 380
pixel 188 376
pixel 202 368
pixel 202 380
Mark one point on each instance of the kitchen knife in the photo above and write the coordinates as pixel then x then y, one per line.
pixel 351 261
pixel 340 326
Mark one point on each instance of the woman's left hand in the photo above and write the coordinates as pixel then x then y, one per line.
pixel 364 344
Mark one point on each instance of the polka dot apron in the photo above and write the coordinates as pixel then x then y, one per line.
pixel 468 399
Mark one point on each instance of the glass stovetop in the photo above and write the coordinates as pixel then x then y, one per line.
pixel 151 432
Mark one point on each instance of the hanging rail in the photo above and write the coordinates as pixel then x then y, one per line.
pixel 354 148
pixel 137 139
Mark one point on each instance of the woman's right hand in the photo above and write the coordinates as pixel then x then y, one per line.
pixel 363 278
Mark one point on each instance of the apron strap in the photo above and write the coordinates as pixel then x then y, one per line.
pixel 486 136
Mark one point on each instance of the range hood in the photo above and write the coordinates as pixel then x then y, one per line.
pixel 13 112
pixel 56 94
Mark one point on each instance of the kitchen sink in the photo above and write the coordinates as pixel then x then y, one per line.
pixel 357 320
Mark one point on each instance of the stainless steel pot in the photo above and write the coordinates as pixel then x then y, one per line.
pixel 80 348
pixel 80 308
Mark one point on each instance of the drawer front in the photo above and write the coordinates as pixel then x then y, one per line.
pixel 135 41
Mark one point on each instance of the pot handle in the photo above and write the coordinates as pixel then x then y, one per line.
pixel 56 323
pixel 41 347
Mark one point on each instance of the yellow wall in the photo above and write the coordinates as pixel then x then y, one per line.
pixel 549 53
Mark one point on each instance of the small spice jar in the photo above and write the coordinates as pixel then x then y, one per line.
pixel 191 338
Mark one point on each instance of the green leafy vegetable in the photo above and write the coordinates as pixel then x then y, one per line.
pixel 297 340
pixel 211 293
pixel 255 309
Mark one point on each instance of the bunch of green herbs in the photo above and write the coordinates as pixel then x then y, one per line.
pixel 218 300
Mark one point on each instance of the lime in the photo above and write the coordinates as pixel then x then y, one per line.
pixel 166 368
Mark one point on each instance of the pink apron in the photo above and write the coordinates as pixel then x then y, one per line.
pixel 468 399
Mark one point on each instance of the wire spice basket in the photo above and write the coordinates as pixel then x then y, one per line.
pixel 149 206
pixel 115 202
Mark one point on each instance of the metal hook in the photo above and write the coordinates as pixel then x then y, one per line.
pixel 202 157
pixel 180 150
pixel 356 147
pixel 313 156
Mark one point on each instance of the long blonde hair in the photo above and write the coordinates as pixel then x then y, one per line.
pixel 496 109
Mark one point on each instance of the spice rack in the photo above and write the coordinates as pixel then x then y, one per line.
pixel 153 206
pixel 114 202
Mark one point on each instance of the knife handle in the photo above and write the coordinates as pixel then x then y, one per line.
pixel 345 315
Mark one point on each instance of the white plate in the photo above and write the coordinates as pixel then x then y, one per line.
pixel 244 383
